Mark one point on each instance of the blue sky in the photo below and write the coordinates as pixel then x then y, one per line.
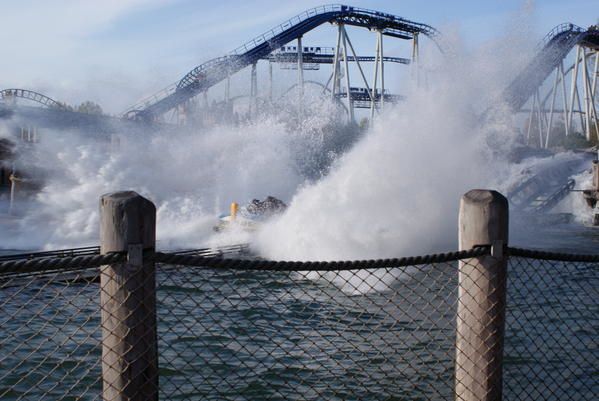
pixel 115 51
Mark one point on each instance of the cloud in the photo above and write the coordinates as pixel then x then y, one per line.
pixel 41 38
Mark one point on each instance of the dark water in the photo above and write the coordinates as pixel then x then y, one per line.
pixel 226 335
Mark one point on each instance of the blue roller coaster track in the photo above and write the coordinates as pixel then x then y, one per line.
pixel 210 73
pixel 553 49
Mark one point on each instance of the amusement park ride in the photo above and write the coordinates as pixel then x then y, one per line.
pixel 567 102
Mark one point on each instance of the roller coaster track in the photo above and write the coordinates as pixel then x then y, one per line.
pixel 213 71
pixel 553 49
pixel 10 94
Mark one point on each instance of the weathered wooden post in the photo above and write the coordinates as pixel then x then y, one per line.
pixel 128 298
pixel 483 220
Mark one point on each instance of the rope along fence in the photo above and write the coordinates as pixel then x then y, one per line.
pixel 131 323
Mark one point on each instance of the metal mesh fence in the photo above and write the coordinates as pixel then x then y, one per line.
pixel 286 334
pixel 375 334
pixel 552 330
pixel 50 336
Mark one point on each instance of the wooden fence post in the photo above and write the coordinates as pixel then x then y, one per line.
pixel 483 220
pixel 128 298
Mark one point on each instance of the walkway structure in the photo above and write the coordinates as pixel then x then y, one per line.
pixel 531 92
pixel 269 45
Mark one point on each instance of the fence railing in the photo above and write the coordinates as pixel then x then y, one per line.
pixel 483 323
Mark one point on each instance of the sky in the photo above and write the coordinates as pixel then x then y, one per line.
pixel 117 51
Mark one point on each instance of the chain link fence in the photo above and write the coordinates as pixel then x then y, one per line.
pixel 552 330
pixel 237 329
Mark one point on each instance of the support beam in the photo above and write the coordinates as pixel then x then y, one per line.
pixel 270 81
pixel 382 65
pixel 539 119
pixel 530 117
pixel 586 91
pixel 336 66
pixel 415 56
pixel 300 77
pixel 375 78
pixel 350 106
pixel 591 110
pixel 565 99
pixel 351 47
pixel 254 89
pixel 553 95
pixel 228 89
pixel 595 73
pixel 574 88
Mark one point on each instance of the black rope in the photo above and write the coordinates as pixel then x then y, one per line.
pixel 256 264
pixel 215 259
pixel 557 256
pixel 69 262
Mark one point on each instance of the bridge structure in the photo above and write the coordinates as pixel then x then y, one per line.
pixel 559 83
pixel 273 47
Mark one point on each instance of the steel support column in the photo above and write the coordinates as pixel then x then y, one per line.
pixel 336 66
pixel 553 95
pixel 270 82
pixel 375 78
pixel 300 76
pixel 350 105
pixel 254 89
pixel 586 86
pixel 351 47
pixel 565 99
pixel 382 66
pixel 574 88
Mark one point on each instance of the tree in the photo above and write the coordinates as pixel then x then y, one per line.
pixel 89 107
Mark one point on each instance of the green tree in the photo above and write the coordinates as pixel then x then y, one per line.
pixel 89 107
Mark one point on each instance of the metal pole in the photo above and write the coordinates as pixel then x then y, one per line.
pixel 574 88
pixel 351 47
pixel 374 79
pixel 300 76
pixel 582 126
pixel 336 65
pixel 539 119
pixel 595 72
pixel 590 105
pixel 480 328
pixel 415 55
pixel 380 33
pixel 254 89
pixel 324 90
pixel 587 109
pixel 13 190
pixel 415 49
pixel 532 110
pixel 350 106
pixel 564 98
pixel 227 89
pixel 553 94
pixel 270 81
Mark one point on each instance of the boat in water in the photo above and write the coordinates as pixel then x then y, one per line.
pixel 249 217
